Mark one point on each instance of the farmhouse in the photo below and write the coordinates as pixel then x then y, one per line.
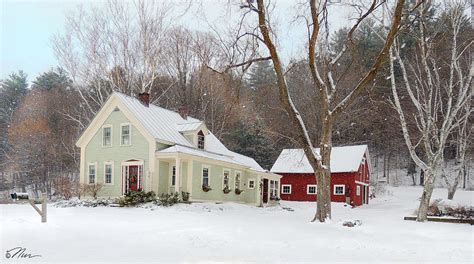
pixel 350 172
pixel 132 144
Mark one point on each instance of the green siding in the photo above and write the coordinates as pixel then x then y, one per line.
pixel 94 152
pixel 163 185
pixel 216 182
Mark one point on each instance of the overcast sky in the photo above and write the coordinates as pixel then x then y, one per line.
pixel 27 28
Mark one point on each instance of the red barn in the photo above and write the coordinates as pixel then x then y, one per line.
pixel 350 172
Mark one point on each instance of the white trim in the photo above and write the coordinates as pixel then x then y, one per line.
pixel 343 189
pixel 283 188
pixel 312 185
pixel 248 183
pixel 95 172
pixel 204 166
pixel 228 182
pixel 111 135
pixel 240 179
pixel 358 190
pixel 111 163
pixel 129 134
pixel 362 183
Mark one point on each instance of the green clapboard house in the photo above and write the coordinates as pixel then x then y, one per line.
pixel 131 145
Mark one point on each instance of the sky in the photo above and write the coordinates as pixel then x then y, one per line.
pixel 27 28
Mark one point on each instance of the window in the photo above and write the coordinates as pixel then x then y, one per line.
pixel 205 176
pixel 273 189
pixel 358 190
pixel 286 188
pixel 311 189
pixel 173 176
pixel 107 136
pixel 92 173
pixel 237 180
pixel 125 134
pixel 251 184
pixel 339 189
pixel 201 140
pixel 108 173
pixel 225 183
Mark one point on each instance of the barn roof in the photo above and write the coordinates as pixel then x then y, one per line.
pixel 343 159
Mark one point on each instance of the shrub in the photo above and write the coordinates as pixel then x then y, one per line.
pixel 238 191
pixel 94 189
pixel 136 197
pixel 168 199
pixel 206 188
pixel 185 196
pixel 64 187
pixel 226 190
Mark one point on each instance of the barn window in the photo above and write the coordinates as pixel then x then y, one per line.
pixel 286 188
pixel 251 183
pixel 201 140
pixel 339 189
pixel 107 136
pixel 311 189
pixel 358 190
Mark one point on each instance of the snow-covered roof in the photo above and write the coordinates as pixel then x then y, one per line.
pixel 343 159
pixel 190 126
pixel 166 125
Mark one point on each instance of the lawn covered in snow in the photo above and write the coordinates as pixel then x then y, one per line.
pixel 237 233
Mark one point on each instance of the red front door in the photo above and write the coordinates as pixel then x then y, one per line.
pixel 133 178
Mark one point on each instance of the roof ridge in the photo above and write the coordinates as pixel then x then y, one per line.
pixel 154 105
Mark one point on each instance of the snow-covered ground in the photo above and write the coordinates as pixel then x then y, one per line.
pixel 237 233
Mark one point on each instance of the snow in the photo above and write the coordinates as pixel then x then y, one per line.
pixel 238 233
pixel 343 159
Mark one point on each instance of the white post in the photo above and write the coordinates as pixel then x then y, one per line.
pixel 178 175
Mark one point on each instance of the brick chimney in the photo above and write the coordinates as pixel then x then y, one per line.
pixel 144 98
pixel 183 112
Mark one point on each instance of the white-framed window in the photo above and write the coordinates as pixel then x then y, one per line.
pixel 225 178
pixel 200 140
pixel 205 176
pixel 251 184
pixel 237 179
pixel 339 189
pixel 107 136
pixel 286 188
pixel 173 176
pixel 358 190
pixel 92 173
pixel 311 189
pixel 125 134
pixel 273 189
pixel 109 173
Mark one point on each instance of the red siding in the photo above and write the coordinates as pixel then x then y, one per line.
pixel 300 181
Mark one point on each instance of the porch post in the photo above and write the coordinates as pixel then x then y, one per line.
pixel 178 175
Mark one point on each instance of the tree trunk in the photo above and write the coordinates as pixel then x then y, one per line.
pixel 426 196
pixel 323 174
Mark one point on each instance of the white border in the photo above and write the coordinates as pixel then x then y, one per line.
pixel 311 185
pixel 343 189
pixel 95 172
pixel 129 134
pixel 283 187
pixel 111 136
pixel 248 183
pixel 208 167
pixel 358 190
pixel 111 163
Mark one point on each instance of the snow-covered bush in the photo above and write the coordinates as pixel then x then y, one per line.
pixel 441 207
pixel 136 197
pixel 185 196
pixel 86 203
pixel 167 199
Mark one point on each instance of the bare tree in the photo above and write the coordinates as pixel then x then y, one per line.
pixel 437 101
pixel 323 65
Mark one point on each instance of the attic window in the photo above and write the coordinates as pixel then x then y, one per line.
pixel 201 140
